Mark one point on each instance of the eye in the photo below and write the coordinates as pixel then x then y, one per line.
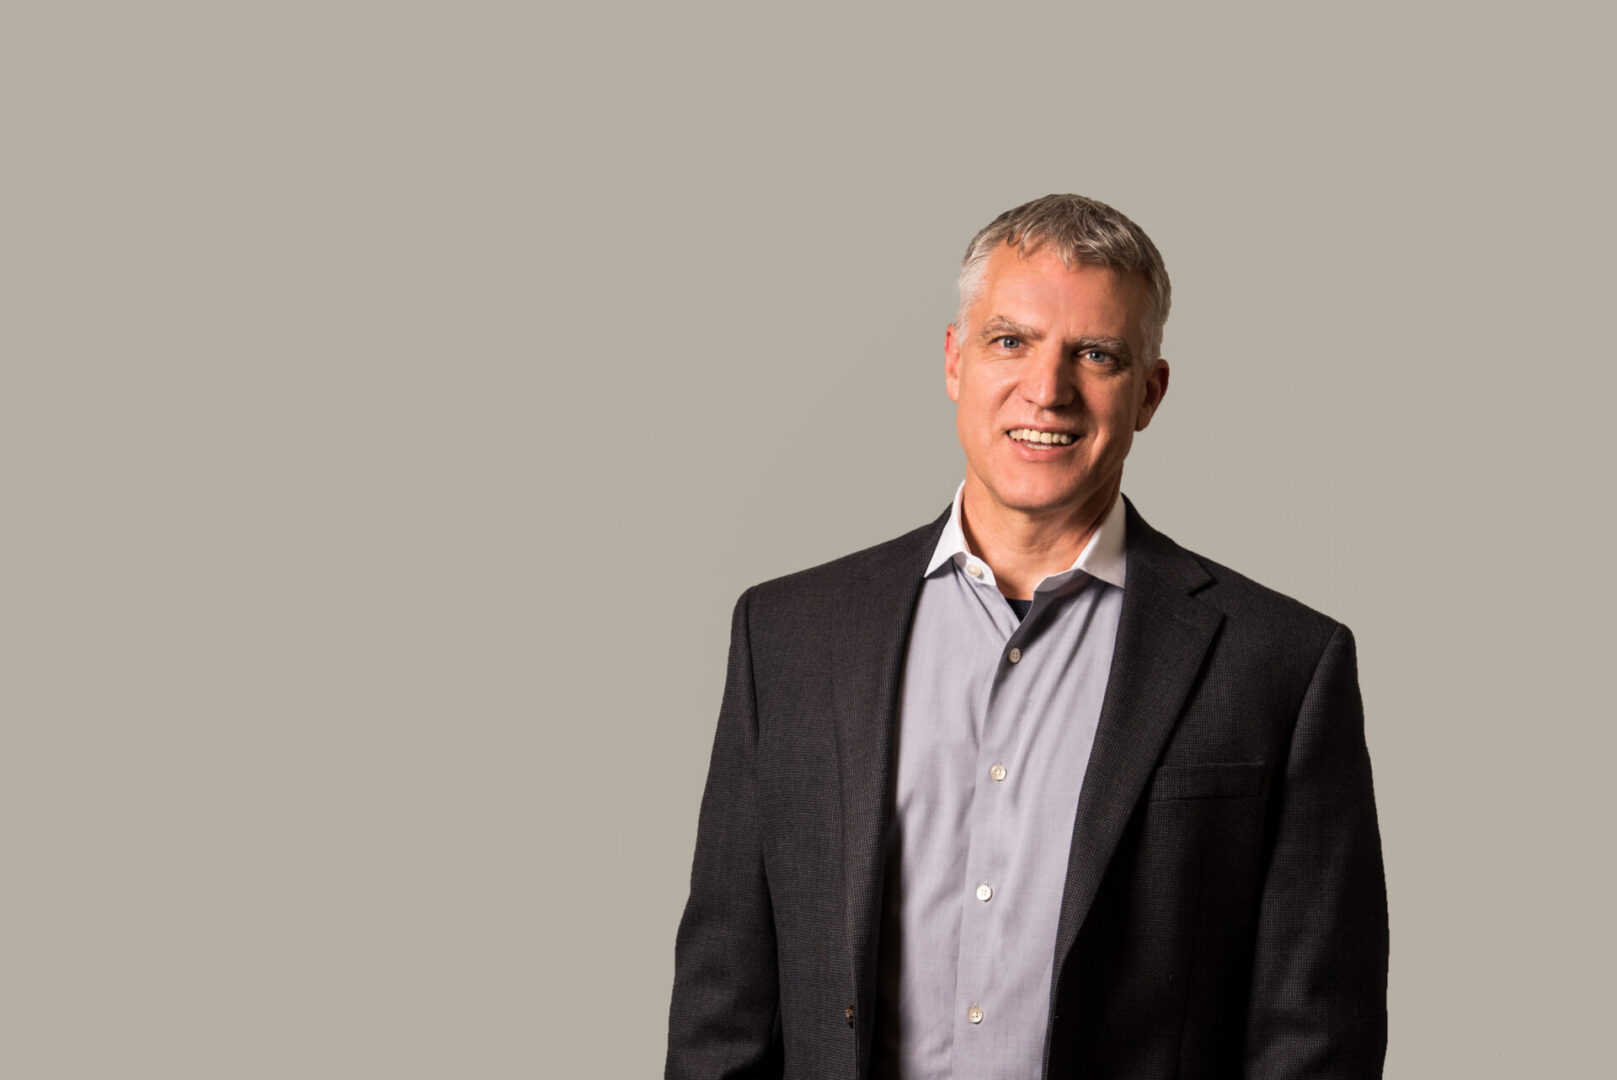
pixel 1007 341
pixel 1099 356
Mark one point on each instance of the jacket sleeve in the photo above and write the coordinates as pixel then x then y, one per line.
pixel 724 1020
pixel 1319 979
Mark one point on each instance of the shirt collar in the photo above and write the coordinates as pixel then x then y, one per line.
pixel 1102 557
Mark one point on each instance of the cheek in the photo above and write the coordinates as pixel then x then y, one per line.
pixel 1119 412
pixel 976 403
pixel 1114 430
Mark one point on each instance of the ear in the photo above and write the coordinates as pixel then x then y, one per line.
pixel 1156 388
pixel 951 364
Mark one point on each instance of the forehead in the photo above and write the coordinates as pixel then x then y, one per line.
pixel 1041 290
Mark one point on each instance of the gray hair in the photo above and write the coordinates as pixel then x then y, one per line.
pixel 1083 232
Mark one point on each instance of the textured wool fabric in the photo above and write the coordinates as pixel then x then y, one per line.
pixel 1224 910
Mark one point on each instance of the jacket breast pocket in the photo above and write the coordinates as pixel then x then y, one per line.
pixel 1208 780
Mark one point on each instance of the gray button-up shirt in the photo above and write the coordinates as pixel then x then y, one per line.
pixel 996 720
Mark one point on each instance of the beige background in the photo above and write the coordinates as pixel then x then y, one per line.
pixel 397 396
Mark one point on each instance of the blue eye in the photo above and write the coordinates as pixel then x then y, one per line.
pixel 1003 338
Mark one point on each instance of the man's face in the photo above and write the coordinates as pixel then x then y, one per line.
pixel 1052 350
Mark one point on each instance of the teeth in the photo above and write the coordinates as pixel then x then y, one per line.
pixel 1057 438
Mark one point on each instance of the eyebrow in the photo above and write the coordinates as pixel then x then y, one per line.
pixel 999 326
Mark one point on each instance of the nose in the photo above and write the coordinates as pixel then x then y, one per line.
pixel 1049 379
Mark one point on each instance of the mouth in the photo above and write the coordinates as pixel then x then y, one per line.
pixel 1042 442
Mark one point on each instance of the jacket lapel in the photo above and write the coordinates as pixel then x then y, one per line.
pixel 1163 634
pixel 875 613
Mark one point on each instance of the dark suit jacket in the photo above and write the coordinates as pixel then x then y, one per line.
pixel 1224 913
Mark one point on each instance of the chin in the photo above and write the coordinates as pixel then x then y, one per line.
pixel 1037 500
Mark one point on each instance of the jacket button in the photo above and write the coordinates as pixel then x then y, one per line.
pixel 848 1012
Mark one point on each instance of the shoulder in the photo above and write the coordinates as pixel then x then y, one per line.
pixel 1236 594
pixel 890 556
pixel 899 556
pixel 1258 616
pixel 1266 623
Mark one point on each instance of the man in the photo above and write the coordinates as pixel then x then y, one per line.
pixel 1033 790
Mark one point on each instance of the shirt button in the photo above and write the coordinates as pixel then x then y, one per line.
pixel 997 772
pixel 974 570
pixel 984 892
pixel 1014 655
pixel 974 1014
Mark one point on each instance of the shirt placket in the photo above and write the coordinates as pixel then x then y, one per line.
pixel 993 827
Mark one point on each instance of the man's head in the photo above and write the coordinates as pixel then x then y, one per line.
pixel 1061 312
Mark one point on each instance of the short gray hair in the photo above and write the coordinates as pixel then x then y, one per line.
pixel 1083 232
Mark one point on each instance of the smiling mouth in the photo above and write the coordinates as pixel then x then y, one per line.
pixel 1033 437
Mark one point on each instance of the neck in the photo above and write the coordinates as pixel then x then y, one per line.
pixel 1024 547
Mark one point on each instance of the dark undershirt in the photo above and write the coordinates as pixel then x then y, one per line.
pixel 1019 606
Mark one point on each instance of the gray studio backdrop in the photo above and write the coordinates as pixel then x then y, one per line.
pixel 396 400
